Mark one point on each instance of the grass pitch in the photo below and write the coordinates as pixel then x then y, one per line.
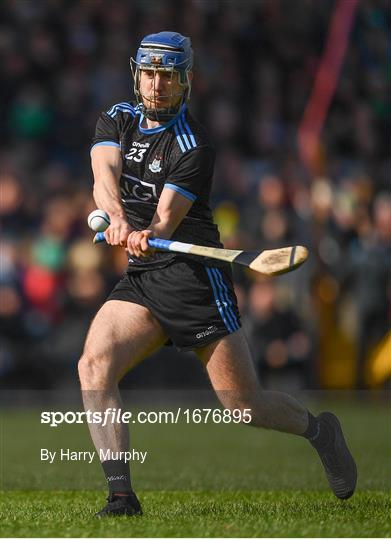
pixel 199 481
pixel 199 514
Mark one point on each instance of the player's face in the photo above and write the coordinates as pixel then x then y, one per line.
pixel 160 89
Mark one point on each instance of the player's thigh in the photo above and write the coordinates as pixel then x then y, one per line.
pixel 231 370
pixel 121 335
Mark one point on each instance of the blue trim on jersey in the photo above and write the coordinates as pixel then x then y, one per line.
pixel 182 191
pixel 117 110
pixel 178 138
pixel 123 105
pixel 230 308
pixel 192 138
pixel 219 303
pixel 120 109
pixel 158 129
pixel 184 135
pixel 106 143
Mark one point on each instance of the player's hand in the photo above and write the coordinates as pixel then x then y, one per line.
pixel 138 243
pixel 118 231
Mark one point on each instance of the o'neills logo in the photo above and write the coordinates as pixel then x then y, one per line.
pixel 207 332
pixel 121 477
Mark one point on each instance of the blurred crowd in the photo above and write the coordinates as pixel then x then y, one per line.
pixel 63 62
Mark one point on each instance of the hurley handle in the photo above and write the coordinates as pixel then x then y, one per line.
pixel 157 243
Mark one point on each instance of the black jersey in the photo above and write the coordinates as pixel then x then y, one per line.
pixel 177 155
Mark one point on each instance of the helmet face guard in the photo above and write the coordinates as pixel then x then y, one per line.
pixel 164 52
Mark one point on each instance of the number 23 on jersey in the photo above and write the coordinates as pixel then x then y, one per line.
pixel 136 154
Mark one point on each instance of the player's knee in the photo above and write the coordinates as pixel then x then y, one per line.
pixel 94 370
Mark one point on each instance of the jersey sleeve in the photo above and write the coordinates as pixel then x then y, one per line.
pixel 106 132
pixel 189 174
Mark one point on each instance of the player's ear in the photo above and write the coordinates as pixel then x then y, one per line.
pixel 190 74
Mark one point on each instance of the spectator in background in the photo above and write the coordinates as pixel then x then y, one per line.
pixel 277 339
pixel 371 282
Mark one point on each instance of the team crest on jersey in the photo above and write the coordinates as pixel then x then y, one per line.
pixel 155 166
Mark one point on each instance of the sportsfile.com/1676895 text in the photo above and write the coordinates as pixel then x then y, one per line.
pixel 117 416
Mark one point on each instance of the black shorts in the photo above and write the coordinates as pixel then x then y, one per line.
pixel 195 304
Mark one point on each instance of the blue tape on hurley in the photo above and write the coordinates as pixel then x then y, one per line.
pixel 99 237
pixel 157 243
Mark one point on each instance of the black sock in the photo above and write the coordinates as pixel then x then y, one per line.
pixel 117 474
pixel 317 432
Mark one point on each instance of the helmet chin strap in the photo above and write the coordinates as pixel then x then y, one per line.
pixel 163 114
pixel 159 115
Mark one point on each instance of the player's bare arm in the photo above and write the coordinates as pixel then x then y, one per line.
pixel 171 210
pixel 106 164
